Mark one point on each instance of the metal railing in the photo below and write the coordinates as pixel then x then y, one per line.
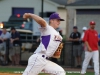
pixel 5 49
pixel 66 59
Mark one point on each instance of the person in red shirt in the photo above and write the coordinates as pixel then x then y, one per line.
pixel 91 42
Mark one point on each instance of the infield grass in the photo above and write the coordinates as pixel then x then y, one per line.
pixel 20 70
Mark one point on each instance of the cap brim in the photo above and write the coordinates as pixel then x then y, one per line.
pixel 61 19
pixel 92 24
pixel 75 28
pixel 58 19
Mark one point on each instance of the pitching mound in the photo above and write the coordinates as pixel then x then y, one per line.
pixel 10 74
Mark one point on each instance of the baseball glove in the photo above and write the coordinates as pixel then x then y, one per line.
pixel 58 51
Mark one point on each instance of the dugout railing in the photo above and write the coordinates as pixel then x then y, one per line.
pixel 67 59
pixel 27 51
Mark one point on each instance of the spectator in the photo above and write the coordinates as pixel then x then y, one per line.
pixel 5 36
pixel 15 43
pixel 99 40
pixel 0 32
pixel 91 41
pixel 84 29
pixel 77 48
pixel 0 35
pixel 0 53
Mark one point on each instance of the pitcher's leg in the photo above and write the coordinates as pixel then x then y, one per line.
pixel 35 66
pixel 88 56
pixel 96 62
pixel 54 69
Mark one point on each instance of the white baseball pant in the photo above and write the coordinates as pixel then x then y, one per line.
pixel 37 64
pixel 88 56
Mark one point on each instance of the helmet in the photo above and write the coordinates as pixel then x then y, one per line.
pixel 84 28
pixel 92 23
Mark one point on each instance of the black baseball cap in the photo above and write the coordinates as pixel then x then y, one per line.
pixel 75 27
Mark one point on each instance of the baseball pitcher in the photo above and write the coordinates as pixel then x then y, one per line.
pixel 50 46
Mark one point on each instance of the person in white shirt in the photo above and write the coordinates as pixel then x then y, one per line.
pixel 83 45
pixel 5 36
pixel 50 40
pixel 84 29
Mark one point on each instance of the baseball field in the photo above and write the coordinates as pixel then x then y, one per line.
pixel 5 70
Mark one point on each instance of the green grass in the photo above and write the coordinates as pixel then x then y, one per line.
pixel 11 70
pixel 88 73
pixel 20 70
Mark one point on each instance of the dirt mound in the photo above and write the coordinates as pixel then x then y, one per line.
pixel 10 74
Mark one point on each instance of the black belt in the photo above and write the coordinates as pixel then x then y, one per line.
pixel 44 56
